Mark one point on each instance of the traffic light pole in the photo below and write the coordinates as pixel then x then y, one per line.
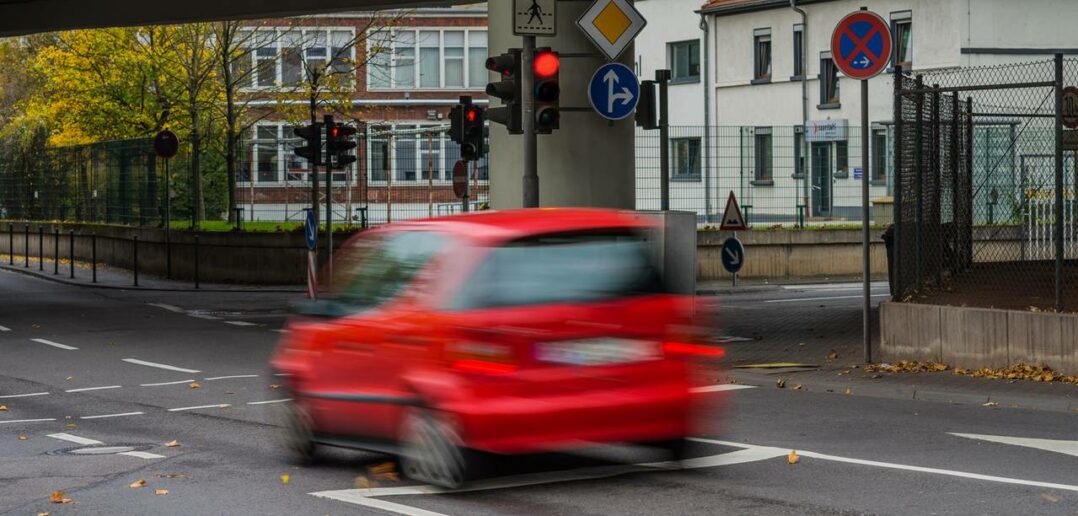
pixel 531 147
pixel 663 78
pixel 328 120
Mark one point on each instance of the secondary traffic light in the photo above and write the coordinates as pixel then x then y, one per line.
pixel 473 147
pixel 340 140
pixel 546 67
pixel 646 109
pixel 312 151
pixel 508 89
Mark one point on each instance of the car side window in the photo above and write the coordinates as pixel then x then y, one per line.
pixel 378 269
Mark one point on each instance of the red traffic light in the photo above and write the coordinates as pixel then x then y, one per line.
pixel 546 64
pixel 335 132
pixel 471 115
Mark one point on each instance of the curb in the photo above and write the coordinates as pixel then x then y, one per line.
pixel 911 392
pixel 66 281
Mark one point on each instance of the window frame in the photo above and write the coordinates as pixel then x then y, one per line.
pixel 671 60
pixel 763 164
pixel 392 52
pixel 799 158
pixel 898 19
pixel 760 36
pixel 284 156
pixel 841 150
pixel 798 53
pixel 696 175
pixel 880 168
pixel 277 38
pixel 443 170
pixel 829 69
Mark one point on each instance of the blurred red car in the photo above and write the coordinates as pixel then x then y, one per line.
pixel 506 332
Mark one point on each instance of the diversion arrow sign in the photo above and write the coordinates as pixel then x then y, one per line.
pixel 614 91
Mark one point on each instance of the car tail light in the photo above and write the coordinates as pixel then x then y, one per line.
pixel 686 349
pixel 474 357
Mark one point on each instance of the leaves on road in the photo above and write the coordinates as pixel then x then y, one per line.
pixel 72 426
pixel 990 404
pixel 23 437
pixel 781 383
pixel 847 390
pixel 172 444
pixel 195 385
pixel 797 387
pixel 58 497
pixel 3 408
pixel 385 471
pixel 1015 372
pixel 362 482
pixel 137 484
pixel 274 386
pixel 793 457
pixel 285 478
pixel 160 492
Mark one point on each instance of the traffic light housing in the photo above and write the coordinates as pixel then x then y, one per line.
pixel 312 151
pixel 340 141
pixel 647 109
pixel 546 67
pixel 508 89
pixel 473 147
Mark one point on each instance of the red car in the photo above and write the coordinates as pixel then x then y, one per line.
pixel 506 332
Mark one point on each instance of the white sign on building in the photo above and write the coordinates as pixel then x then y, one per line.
pixel 826 130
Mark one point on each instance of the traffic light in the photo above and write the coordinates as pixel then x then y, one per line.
pixel 473 147
pixel 646 109
pixel 546 66
pixel 456 124
pixel 508 89
pixel 312 151
pixel 340 140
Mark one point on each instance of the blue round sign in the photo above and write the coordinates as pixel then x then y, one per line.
pixel 311 229
pixel 733 255
pixel 614 91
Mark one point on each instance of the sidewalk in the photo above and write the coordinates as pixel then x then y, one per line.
pixel 714 288
pixel 123 279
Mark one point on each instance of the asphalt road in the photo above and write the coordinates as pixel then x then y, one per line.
pixel 85 368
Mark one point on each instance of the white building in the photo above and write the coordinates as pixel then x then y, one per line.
pixel 752 52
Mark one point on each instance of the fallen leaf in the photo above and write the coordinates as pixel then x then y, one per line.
pixel 172 444
pixel 832 356
pixel 195 385
pixel 3 408
pixel 69 378
pixel 275 386
pixel 1049 497
pixel 385 471
pixel 793 458
pixel 797 387
pixel 58 497
pixel 72 425
pixel 285 478
pixel 23 438
pixel 363 482
pixel 990 404
pixel 847 390
pixel 42 514
pixel 171 475
pixel 781 383
pixel 160 492
pixel 137 484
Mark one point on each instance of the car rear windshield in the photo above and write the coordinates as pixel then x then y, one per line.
pixel 567 268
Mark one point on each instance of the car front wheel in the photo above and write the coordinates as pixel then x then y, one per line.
pixel 431 450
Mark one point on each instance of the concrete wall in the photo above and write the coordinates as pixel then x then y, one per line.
pixel 978 337
pixel 791 254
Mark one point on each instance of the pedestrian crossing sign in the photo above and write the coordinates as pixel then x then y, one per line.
pixel 732 220
pixel 535 17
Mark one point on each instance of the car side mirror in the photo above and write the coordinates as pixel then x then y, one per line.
pixel 320 308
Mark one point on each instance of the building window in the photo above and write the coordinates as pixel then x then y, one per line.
pixel 763 158
pixel 842 158
pixel 829 91
pixel 902 30
pixel 879 155
pixel 285 57
pixel 799 45
pixel 684 59
pixel 273 160
pixel 799 156
pixel 411 157
pixel 686 158
pixel 762 55
pixel 428 59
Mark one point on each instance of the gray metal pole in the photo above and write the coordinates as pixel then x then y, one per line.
pixel 168 224
pixel 328 120
pixel 865 213
pixel 1059 182
pixel 531 144
pixel 663 78
pixel 707 117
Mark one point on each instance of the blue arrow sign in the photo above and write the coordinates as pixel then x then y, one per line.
pixel 614 91
pixel 733 255
pixel 311 230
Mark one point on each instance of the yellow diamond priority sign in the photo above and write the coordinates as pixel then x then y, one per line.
pixel 611 25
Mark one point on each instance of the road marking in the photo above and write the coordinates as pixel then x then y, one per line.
pixel 142 455
pixel 170 308
pixel 723 387
pixel 55 344
pixel 828 286
pixel 1052 445
pixel 366 497
pixel 4 328
pixel 75 439
pixel 103 416
pixel 27 420
pixel 919 469
pixel 231 377
pixel 24 395
pixel 160 366
pixel 204 316
pixel 181 409
pixel 268 402
pixel 282 374
pixel 806 299
pixel 280 330
pixel 84 389
pixel 165 383
pixel 241 323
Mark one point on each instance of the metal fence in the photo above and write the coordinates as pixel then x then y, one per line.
pixel 985 188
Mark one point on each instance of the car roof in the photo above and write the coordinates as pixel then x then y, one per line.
pixel 521 223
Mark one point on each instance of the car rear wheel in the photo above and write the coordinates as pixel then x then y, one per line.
pixel 677 449
pixel 431 450
pixel 299 434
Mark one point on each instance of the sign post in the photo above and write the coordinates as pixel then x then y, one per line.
pixel 861 48
pixel 166 145
pixel 460 183
pixel 733 253
pixel 310 229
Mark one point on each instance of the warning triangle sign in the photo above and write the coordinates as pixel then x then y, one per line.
pixel 732 220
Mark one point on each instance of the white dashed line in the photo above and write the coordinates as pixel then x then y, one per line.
pixel 268 402
pixel 160 366
pixel 204 316
pixel 55 344
pixel 231 377
pixel 103 416
pixel 4 328
pixel 282 374
pixel 806 299
pixel 280 330
pixel 181 409
pixel 170 308
pixel 84 389
pixel 75 439
pixel 241 323
pixel 24 395
pixel 142 455
pixel 165 383
pixel 27 420
pixel 723 387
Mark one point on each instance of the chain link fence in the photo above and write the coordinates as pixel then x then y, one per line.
pixel 985 188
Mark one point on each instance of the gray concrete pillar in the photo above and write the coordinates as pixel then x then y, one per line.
pixel 589 161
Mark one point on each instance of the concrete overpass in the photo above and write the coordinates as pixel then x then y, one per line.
pixel 588 162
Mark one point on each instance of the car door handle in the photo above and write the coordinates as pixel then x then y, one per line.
pixel 355 347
